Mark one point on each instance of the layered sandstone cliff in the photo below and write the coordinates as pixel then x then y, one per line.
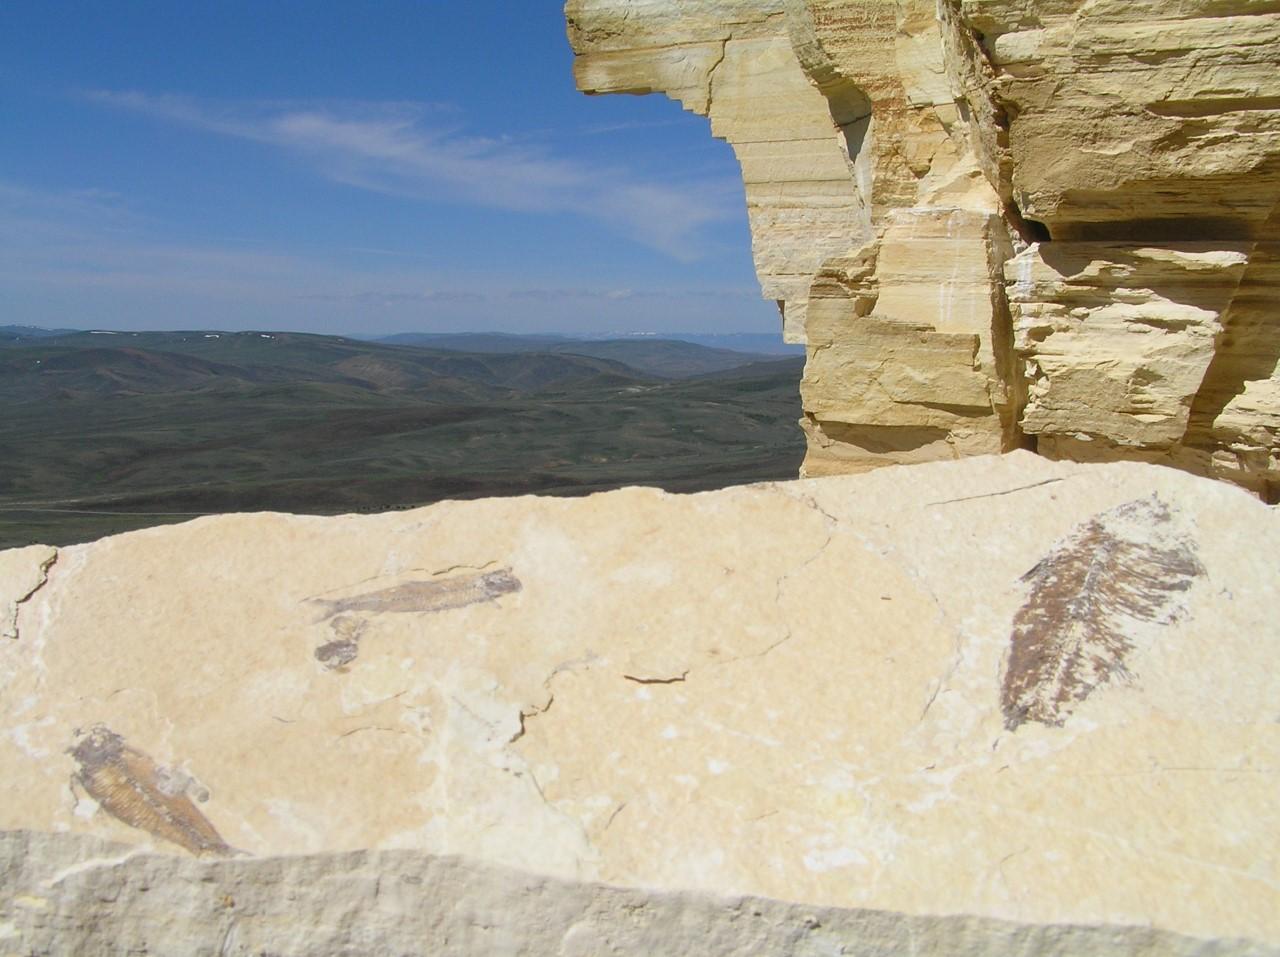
pixel 888 731
pixel 998 223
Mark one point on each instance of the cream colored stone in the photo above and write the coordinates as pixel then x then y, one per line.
pixel 1144 120
pixel 76 894
pixel 903 341
pixel 1117 339
pixel 22 572
pixel 628 689
pixel 1058 121
pixel 1234 431
pixel 734 63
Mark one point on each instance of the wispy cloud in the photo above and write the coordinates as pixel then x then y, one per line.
pixel 92 241
pixel 627 126
pixel 395 148
pixel 632 295
pixel 395 297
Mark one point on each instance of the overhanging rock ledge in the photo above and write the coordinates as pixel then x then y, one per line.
pixel 998 224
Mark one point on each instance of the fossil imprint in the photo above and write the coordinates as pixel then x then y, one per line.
pixel 133 789
pixel 427 596
pixel 1089 599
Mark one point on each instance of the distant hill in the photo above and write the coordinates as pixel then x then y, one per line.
pixel 105 432
pixel 757 343
pixel 10 333
pixel 476 341
pixel 669 358
pixel 767 343
pixel 788 366
pixel 85 364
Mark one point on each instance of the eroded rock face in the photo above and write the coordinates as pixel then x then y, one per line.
pixel 1064 735
pixel 78 895
pixel 1056 220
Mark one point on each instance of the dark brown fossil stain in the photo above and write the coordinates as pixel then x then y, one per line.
pixel 428 596
pixel 345 646
pixel 1129 565
pixel 135 790
pixel 337 653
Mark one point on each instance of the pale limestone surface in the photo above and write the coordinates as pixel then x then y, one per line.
pixel 22 572
pixel 67 893
pixel 1124 113
pixel 629 689
pixel 863 128
pixel 1118 338
pixel 905 353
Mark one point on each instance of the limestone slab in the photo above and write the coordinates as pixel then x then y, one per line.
pixel 629 689
pixel 65 893
pixel 22 572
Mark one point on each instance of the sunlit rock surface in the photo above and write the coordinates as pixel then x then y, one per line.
pixel 911 165
pixel 1004 702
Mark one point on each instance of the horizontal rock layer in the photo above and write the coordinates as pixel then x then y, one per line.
pixel 887 709
pixel 64 893
pixel 1031 173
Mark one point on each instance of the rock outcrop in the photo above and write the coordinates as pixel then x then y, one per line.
pixel 1048 224
pixel 888 729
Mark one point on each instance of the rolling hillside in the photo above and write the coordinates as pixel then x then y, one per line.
pixel 671 358
pixel 102 433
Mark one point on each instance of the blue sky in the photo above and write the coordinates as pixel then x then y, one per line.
pixel 351 168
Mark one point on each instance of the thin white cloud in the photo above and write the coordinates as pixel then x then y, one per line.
pixel 627 126
pixel 667 293
pixel 390 148
pixel 83 257
pixel 395 297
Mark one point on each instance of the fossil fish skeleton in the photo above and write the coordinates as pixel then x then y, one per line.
pixel 428 596
pixel 133 789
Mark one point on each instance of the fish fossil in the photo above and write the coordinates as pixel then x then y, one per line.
pixel 345 646
pixel 1124 567
pixel 420 596
pixel 135 790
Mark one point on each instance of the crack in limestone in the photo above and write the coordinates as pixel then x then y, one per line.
pixel 533 711
pixel 372 727
pixel 1007 491
pixel 831 523
pixel 711 75
pixel 612 817
pixel 657 681
pixel 758 654
pixel 11 629
pixel 454 568
pixel 887 550
pixel 810 502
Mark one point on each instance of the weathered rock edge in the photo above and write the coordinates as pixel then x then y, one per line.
pixel 67 893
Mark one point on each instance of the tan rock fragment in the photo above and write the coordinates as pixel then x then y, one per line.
pixel 1129 120
pixel 1116 339
pixel 903 340
pixel 22 572
pixel 76 894
pixel 1234 432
